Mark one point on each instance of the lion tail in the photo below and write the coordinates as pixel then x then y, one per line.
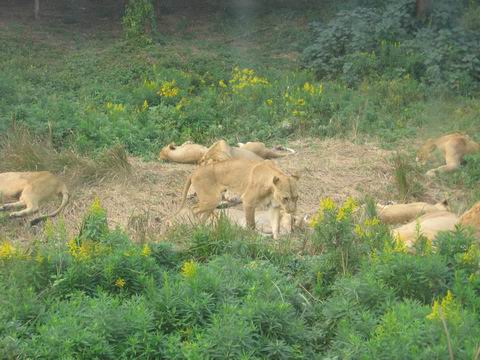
pixel 65 199
pixel 185 192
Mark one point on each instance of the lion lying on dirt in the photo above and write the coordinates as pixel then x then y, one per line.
pixel 402 213
pixel 221 151
pixel 187 153
pixel 261 150
pixel 431 224
pixel 453 147
pixel 236 216
pixel 258 183
pixel 31 189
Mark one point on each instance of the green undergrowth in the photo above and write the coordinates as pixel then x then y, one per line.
pixel 92 91
pixel 228 294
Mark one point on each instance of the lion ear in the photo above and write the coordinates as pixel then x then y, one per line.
pixel 276 179
pixel 172 146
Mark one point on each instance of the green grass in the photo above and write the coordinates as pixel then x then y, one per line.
pixel 60 79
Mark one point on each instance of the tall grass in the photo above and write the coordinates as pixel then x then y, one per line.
pixel 23 151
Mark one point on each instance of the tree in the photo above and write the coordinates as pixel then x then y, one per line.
pixel 36 9
pixel 423 8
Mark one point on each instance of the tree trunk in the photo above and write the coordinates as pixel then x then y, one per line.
pixel 36 9
pixel 424 8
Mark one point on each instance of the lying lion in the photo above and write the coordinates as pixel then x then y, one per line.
pixel 187 153
pixel 237 216
pixel 31 189
pixel 453 147
pixel 258 183
pixel 261 150
pixel 431 224
pixel 402 213
pixel 221 151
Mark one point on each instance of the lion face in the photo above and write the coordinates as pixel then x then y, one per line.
pixel 166 150
pixel 285 192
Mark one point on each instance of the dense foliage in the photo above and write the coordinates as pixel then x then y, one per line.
pixel 442 49
pixel 230 295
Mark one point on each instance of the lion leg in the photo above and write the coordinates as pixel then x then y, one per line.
pixel 249 216
pixel 453 160
pixel 206 207
pixel 30 202
pixel 275 218
pixel 11 206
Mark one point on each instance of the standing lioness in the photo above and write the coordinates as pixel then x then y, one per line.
pixel 31 189
pixel 258 182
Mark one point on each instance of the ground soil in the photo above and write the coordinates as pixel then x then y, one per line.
pixel 331 167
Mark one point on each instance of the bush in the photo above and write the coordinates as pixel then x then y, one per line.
pixel 388 41
pixel 139 20
pixel 413 277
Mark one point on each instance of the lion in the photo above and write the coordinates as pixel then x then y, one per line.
pixel 187 153
pixel 431 224
pixel 257 183
pixel 472 218
pixel 221 151
pixel 453 147
pixel 236 216
pixel 402 213
pixel 261 150
pixel 31 189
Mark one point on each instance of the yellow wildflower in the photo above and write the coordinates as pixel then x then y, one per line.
pixel 301 102
pixel 146 251
pixel 327 204
pixel 7 250
pixel 150 85
pixel 169 89
pixel 447 305
pixel 145 105
pixel 370 222
pixel 120 283
pixel 81 251
pixel 245 78
pixel 359 230
pixel 341 214
pixel 222 84
pixel 350 204
pixel 471 256
pixel 307 87
pixel 96 207
pixel 269 102
pixel 189 269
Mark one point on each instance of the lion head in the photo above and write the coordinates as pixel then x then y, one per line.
pixel 285 192
pixel 166 150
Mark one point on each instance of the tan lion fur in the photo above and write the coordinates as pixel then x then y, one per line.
pixel 187 153
pixel 237 216
pixel 472 218
pixel 257 183
pixel 221 151
pixel 402 213
pixel 261 150
pixel 431 224
pixel 453 147
pixel 31 189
